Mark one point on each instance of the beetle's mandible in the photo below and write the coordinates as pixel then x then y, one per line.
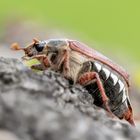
pixel 107 82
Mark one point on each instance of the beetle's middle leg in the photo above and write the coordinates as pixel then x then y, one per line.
pixel 63 60
pixel 89 76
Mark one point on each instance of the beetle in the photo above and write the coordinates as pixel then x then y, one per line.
pixel 106 81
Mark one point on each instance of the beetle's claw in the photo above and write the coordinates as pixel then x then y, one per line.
pixel 25 58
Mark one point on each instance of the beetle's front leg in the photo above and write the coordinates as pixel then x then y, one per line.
pixel 44 62
pixel 90 76
pixel 40 67
pixel 24 58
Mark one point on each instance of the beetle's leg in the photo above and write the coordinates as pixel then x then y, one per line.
pixel 89 76
pixel 46 62
pixel 128 116
pixel 65 62
pixel 40 67
pixel 62 59
pixel 38 57
pixel 66 67
pixel 43 60
pixel 25 58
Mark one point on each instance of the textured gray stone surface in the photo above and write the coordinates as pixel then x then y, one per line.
pixel 45 107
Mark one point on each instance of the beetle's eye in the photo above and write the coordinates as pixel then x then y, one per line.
pixel 39 47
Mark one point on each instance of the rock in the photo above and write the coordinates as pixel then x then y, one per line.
pixel 44 106
pixel 5 135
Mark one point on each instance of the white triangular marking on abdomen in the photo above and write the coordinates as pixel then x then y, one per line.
pixel 121 85
pixel 124 95
pixel 114 78
pixel 98 66
pixel 107 72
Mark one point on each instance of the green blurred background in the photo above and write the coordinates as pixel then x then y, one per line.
pixel 112 27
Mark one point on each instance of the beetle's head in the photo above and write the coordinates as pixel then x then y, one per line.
pixel 35 48
pixel 48 47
